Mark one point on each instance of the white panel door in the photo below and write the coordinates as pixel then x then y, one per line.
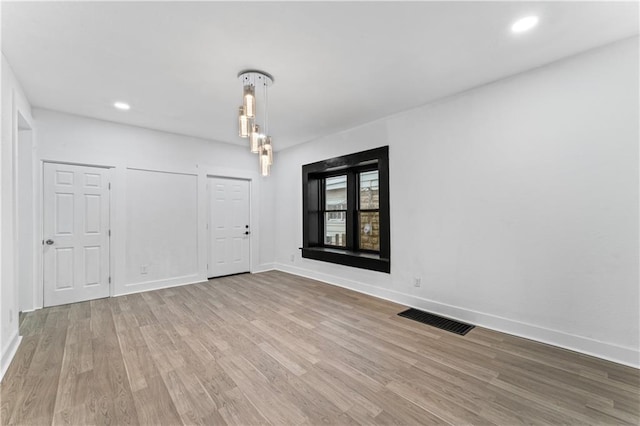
pixel 229 232
pixel 76 233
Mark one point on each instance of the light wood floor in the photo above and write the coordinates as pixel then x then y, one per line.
pixel 273 348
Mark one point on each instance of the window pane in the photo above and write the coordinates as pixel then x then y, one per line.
pixel 369 190
pixel 336 193
pixel 335 228
pixel 369 225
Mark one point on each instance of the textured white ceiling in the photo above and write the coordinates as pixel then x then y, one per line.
pixel 336 65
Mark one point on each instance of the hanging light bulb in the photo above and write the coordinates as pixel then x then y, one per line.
pixel 267 145
pixel 255 139
pixel 265 167
pixel 243 123
pixel 249 101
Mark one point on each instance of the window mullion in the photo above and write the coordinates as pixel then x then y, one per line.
pixel 351 210
pixel 321 211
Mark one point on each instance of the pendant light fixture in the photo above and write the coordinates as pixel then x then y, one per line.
pixel 254 138
pixel 249 101
pixel 265 167
pixel 254 82
pixel 269 148
pixel 243 123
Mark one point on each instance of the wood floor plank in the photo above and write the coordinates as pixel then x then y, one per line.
pixel 136 357
pixel 115 400
pixel 352 389
pixel 336 393
pixel 238 411
pixel 36 399
pixel 398 410
pixel 274 348
pixel 68 386
pixel 268 401
pixel 154 404
pixel 287 363
pixel 15 379
pixel 33 322
pixel 193 403
pixel 436 404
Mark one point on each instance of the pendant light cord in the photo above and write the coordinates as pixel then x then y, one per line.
pixel 266 109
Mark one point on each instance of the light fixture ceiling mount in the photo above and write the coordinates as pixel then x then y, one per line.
pixel 255 77
pixel 258 134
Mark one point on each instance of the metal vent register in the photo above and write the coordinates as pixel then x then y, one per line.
pixel 437 321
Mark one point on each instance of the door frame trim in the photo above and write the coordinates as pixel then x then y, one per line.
pixel 20 118
pixel 40 253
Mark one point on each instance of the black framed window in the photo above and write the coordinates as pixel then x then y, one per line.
pixel 346 210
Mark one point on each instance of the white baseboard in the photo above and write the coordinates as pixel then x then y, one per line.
pixel 9 352
pixel 608 351
pixel 264 267
pixel 158 285
pixel 175 282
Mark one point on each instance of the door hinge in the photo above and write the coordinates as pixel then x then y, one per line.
pixel 109 185
pixel 109 280
pixel 109 232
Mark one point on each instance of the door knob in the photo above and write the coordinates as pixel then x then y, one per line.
pixel 49 242
pixel 246 232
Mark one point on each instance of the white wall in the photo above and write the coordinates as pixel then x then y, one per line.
pixel 516 203
pixel 162 227
pixel 14 105
pixel 158 197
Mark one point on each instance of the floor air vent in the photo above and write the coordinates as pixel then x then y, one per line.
pixel 437 321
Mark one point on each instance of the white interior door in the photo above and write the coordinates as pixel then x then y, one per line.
pixel 229 231
pixel 76 233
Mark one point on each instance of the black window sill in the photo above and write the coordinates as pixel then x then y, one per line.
pixel 361 260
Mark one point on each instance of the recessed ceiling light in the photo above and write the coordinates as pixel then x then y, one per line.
pixel 524 24
pixel 122 105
